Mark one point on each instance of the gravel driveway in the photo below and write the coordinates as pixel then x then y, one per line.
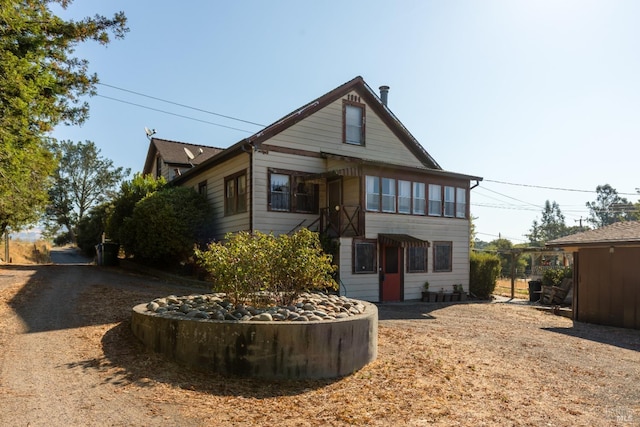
pixel 68 358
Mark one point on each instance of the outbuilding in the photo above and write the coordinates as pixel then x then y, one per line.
pixel 606 274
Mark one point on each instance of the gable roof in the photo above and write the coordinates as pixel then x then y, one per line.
pixel 173 153
pixel 358 85
pixel 619 233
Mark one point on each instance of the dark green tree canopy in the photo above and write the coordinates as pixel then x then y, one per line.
pixel 609 207
pixel 41 85
pixel 551 226
pixel 83 180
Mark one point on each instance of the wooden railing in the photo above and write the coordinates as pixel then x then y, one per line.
pixel 347 221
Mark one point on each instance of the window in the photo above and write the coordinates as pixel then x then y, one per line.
pixel 442 256
pixel 235 194
pixel 435 200
pixel 291 193
pixel 364 256
pixel 419 200
pixel 306 199
pixel 280 194
pixel 388 195
pixel 202 188
pixel 404 197
pixel 373 193
pixel 449 201
pixel 417 260
pixel 353 123
pixel 461 203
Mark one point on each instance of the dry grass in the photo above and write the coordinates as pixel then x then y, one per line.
pixel 503 288
pixel 22 252
pixel 472 364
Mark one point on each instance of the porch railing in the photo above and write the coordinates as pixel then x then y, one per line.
pixel 346 221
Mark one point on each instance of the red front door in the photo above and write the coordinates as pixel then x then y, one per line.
pixel 390 273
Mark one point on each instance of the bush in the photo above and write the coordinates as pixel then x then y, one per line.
pixel 553 277
pixel 166 225
pixel 281 267
pixel 484 271
pixel 90 229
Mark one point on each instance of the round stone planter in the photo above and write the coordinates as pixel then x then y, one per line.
pixel 263 349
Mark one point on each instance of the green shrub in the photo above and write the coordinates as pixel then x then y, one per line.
pixel 281 267
pixel 166 225
pixel 90 229
pixel 483 275
pixel 553 277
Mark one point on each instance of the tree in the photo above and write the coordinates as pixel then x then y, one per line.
pixel 609 207
pixel 41 85
pixel 551 226
pixel 83 180
pixel 131 192
pixel 167 224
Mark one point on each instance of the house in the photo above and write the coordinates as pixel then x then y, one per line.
pixel 170 158
pixel 606 274
pixel 345 166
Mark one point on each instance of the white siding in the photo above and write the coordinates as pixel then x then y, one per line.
pixel 360 286
pixel 366 287
pixel 215 194
pixel 281 222
pixel 322 131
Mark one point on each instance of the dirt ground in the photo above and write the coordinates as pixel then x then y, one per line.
pixel 68 358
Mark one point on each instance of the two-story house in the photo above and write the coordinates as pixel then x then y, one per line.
pixel 345 166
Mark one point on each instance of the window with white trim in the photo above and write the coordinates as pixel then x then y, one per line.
pixel 449 201
pixel 404 197
pixel 435 200
pixel 419 201
pixel 373 193
pixel 461 203
pixel 354 124
pixel 388 195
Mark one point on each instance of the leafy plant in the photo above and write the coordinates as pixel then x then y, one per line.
pixel 282 267
pixel 426 285
pixel 484 272
pixel 554 276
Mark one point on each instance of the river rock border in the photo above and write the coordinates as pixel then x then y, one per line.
pixel 319 336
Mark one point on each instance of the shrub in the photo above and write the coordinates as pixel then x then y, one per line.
pixel 484 271
pixel 90 229
pixel 281 267
pixel 554 276
pixel 166 225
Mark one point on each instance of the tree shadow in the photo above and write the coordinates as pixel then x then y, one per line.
pixel 415 310
pixel 628 339
pixel 125 360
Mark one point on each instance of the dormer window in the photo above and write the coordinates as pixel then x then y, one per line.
pixel 353 123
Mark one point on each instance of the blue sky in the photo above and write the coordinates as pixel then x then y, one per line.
pixel 536 93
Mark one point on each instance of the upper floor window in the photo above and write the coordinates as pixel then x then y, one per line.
pixel 373 193
pixel 404 197
pixel 419 201
pixel 202 188
pixel 435 200
pixel 461 203
pixel 449 201
pixel 388 195
pixel 235 194
pixel 353 123
pixel 280 191
pixel 290 193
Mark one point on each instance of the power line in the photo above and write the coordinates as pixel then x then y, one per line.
pixel 552 188
pixel 182 105
pixel 173 114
